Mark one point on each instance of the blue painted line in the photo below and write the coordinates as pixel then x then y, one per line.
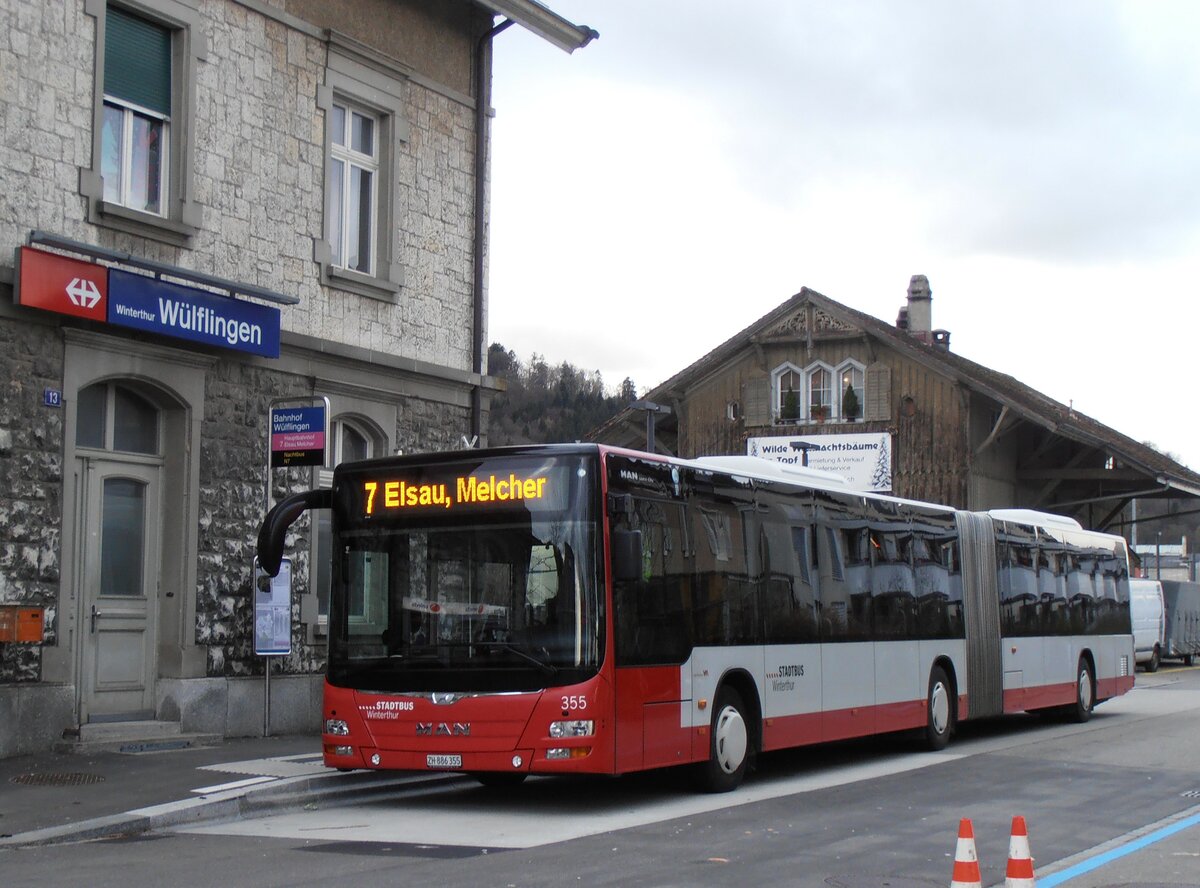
pixel 1116 853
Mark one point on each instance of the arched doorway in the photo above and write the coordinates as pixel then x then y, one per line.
pixel 119 449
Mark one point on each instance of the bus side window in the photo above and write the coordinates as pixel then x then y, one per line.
pixel 651 609
pixel 789 599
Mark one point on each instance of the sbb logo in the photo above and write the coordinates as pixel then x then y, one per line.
pixel 83 293
pixel 68 286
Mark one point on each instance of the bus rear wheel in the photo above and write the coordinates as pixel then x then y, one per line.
pixel 1085 692
pixel 728 744
pixel 939 710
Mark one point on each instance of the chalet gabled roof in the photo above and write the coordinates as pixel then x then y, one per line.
pixel 1020 400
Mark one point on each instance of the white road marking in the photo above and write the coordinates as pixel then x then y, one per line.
pixel 235 784
pixel 283 766
pixel 456 816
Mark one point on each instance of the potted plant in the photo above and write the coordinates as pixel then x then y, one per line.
pixel 850 404
pixel 820 412
pixel 791 406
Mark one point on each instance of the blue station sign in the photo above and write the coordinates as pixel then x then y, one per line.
pixel 298 436
pixel 171 309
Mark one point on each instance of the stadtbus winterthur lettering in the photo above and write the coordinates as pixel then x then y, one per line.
pixel 466 491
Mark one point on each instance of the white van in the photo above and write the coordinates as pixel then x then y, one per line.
pixel 1149 621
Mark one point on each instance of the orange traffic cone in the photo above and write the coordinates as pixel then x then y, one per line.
pixel 1020 863
pixel 966 862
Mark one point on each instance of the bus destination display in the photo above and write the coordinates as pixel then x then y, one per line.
pixel 537 490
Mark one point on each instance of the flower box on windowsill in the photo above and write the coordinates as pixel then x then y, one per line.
pixel 820 414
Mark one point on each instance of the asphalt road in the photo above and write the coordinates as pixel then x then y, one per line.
pixel 854 815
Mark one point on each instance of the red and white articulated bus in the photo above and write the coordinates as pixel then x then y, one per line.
pixel 584 609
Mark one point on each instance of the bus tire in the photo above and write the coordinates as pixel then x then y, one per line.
pixel 728 744
pixel 1085 692
pixel 500 779
pixel 939 710
pixel 1155 660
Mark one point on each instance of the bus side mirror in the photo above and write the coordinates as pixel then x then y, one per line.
pixel 627 554
pixel 279 519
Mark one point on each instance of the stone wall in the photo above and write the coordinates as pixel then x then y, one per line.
pixel 30 484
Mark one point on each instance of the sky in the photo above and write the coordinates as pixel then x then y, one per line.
pixel 662 188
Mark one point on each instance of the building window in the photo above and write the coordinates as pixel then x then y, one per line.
pixel 354 173
pixel 818 392
pixel 849 401
pixel 142 148
pixel 364 127
pixel 113 417
pixel 137 112
pixel 820 387
pixel 789 393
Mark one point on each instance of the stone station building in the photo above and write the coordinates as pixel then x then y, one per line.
pixel 207 206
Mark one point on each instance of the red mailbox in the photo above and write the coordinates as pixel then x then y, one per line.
pixel 21 623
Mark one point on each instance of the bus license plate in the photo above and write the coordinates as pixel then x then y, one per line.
pixel 443 761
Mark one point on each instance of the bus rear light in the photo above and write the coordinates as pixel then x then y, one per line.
pixel 330 749
pixel 337 727
pixel 573 752
pixel 574 728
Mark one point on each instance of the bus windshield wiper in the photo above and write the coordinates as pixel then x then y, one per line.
pixel 548 668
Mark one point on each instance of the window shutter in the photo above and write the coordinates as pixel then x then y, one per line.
pixel 756 402
pixel 879 394
pixel 137 61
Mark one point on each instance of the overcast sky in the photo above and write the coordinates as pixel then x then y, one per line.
pixel 662 188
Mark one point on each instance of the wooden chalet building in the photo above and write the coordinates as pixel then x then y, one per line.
pixel 941 428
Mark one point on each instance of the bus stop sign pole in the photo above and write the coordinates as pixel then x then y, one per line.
pixel 297 435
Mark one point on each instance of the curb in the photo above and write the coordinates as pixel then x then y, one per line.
pixel 232 804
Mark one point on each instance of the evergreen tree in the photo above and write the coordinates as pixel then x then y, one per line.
pixel 545 403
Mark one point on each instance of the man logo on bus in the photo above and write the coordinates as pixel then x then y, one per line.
pixel 442 729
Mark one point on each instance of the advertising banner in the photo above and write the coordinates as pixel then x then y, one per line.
pixel 865 461
pixel 273 611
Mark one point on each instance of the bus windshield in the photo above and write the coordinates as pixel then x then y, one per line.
pixel 476 592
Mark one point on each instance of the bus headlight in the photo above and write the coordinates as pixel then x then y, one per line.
pixel 574 728
pixel 337 727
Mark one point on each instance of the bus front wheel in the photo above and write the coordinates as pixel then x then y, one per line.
pixel 939 710
pixel 1155 660
pixel 500 779
pixel 728 744
pixel 1085 692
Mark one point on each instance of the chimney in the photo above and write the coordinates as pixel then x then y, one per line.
pixel 920 312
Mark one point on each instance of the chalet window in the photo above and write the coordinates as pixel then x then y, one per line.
pixel 817 392
pixel 789 394
pixel 848 404
pixel 820 393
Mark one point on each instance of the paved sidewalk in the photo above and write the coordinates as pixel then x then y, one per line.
pixel 55 797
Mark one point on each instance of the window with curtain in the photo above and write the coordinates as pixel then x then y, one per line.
pixel 136 112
